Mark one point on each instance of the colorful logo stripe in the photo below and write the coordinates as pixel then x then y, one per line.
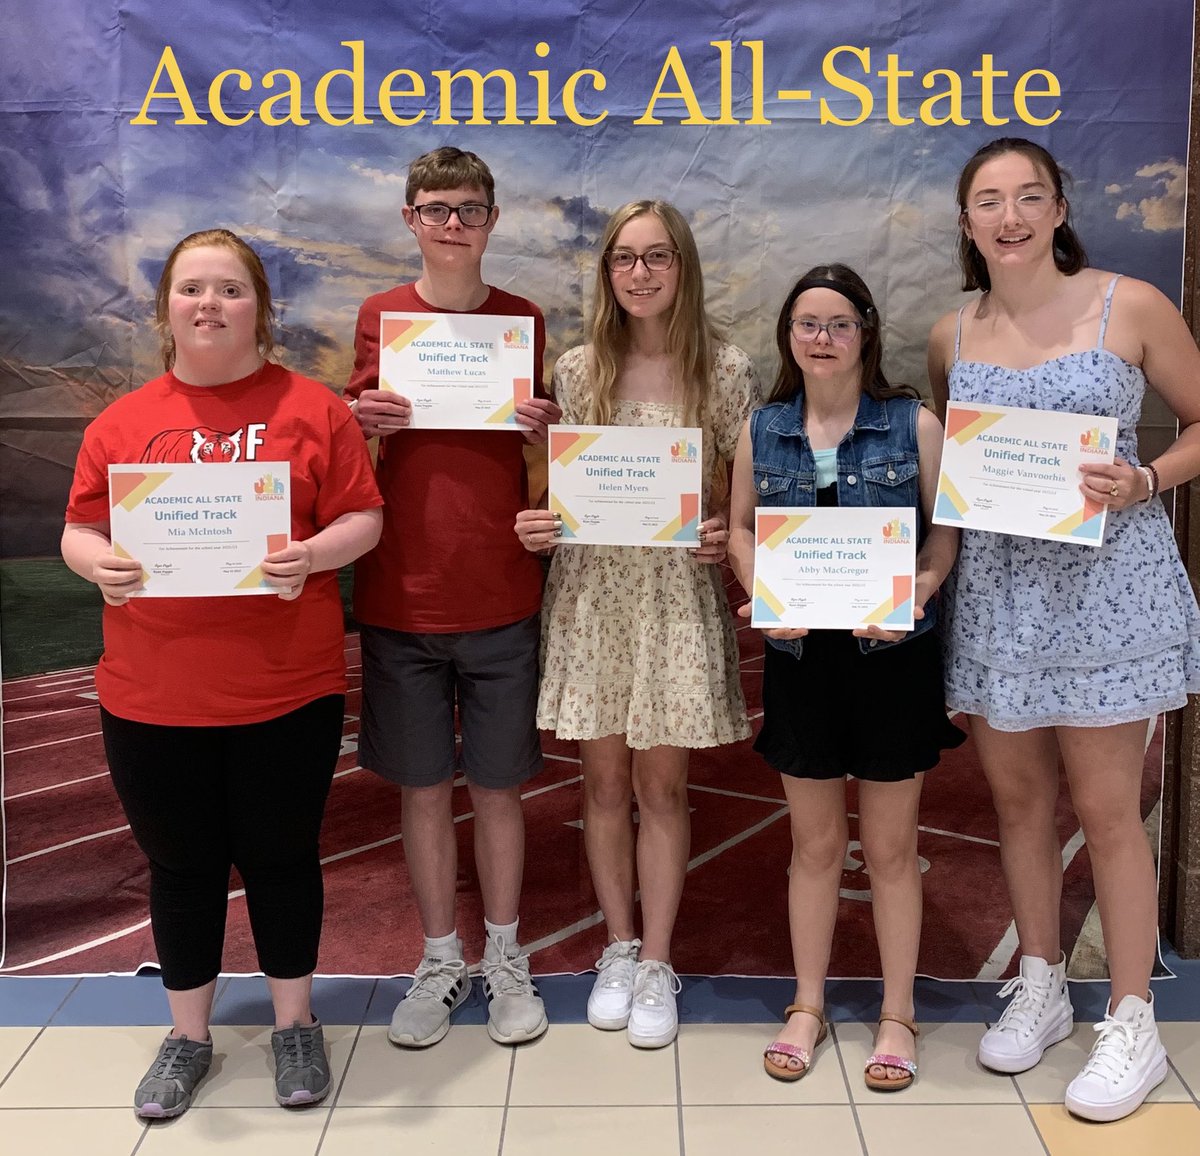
pixel 773 529
pixel 128 490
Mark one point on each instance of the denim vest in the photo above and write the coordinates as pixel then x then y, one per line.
pixel 877 465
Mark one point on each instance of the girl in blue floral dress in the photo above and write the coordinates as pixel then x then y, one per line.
pixel 1062 650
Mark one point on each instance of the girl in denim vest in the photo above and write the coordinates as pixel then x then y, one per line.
pixel 835 433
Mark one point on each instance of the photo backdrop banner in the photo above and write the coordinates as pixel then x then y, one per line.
pixel 787 133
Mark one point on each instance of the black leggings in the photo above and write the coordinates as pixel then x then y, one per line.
pixel 203 799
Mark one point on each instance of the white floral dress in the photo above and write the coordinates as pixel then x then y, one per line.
pixel 636 640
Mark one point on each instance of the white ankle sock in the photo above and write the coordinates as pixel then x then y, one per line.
pixel 505 931
pixel 444 946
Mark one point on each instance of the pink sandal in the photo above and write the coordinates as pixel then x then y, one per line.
pixel 885 1083
pixel 779 1047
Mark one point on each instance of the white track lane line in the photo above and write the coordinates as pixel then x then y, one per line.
pixel 49 713
pixel 56 786
pixel 52 743
pixel 30 697
pixel 70 843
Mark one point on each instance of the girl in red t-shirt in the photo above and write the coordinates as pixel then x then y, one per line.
pixel 222 716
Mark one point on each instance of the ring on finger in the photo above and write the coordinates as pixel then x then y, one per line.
pixel 1112 490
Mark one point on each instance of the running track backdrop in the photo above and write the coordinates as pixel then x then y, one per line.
pixel 788 134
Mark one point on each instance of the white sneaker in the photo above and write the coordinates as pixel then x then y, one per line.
pixel 612 993
pixel 516 1013
pixel 1127 1063
pixel 1038 1016
pixel 653 1016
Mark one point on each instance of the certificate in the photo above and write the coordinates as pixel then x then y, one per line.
pixel 459 370
pixel 615 485
pixel 200 530
pixel 1016 471
pixel 836 568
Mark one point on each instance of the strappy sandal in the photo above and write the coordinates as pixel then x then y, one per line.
pixel 779 1047
pixel 884 1083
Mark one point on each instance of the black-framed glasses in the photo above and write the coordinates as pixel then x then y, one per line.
pixel 657 260
pixel 472 214
pixel 840 329
pixel 1030 207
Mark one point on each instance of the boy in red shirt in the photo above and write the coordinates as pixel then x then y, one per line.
pixel 449 607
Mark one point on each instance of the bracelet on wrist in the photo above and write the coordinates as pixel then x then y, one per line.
pixel 1152 478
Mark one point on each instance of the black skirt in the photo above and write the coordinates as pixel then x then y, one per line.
pixel 835 711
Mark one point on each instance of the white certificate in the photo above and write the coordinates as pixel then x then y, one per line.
pixel 459 370
pixel 1016 471
pixel 834 567
pixel 615 485
pixel 200 530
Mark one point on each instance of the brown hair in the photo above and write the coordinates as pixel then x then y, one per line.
pixel 691 337
pixel 1069 254
pixel 844 280
pixel 223 239
pixel 448 168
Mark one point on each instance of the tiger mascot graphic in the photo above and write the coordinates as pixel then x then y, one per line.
pixel 202 446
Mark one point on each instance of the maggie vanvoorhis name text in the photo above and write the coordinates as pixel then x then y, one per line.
pixel 854 79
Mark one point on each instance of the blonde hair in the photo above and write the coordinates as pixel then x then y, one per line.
pixel 264 320
pixel 691 336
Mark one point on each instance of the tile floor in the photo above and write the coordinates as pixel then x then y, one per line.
pixel 71 1051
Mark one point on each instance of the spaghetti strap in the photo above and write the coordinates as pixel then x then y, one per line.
pixel 958 331
pixel 1108 296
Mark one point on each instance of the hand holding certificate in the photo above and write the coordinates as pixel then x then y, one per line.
pixel 626 485
pixel 458 370
pixel 1016 471
pixel 200 530
pixel 838 568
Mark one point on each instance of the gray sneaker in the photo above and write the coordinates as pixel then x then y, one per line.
pixel 166 1088
pixel 301 1064
pixel 422 1017
pixel 515 1011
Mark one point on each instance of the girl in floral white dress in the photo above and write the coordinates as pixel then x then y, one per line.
pixel 639 656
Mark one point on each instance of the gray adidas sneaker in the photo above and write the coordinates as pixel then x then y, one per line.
pixel 167 1087
pixel 301 1065
pixel 422 1017
pixel 516 1013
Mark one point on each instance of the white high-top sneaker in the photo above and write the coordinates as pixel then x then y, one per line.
pixel 1038 1016
pixel 1127 1063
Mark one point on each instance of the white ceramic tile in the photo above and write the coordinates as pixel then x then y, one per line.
pixel 723 1064
pixel 465 1068
pixel 55 1132
pixel 948 1130
pixel 13 1042
pixel 364 1131
pixel 948 1072
pixel 825 1129
pixel 1182 1041
pixel 594 1131
pixel 115 1059
pixel 576 1064
pixel 238 1132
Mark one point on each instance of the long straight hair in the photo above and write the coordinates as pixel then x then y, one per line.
pixel 691 337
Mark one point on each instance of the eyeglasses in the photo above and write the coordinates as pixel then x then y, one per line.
pixel 841 329
pixel 472 214
pixel 625 260
pixel 1029 206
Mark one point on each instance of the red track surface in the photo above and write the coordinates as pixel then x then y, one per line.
pixel 76 883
